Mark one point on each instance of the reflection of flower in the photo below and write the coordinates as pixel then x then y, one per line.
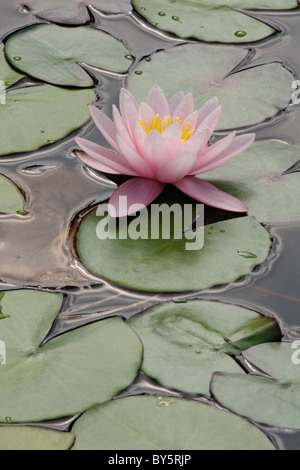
pixel 160 142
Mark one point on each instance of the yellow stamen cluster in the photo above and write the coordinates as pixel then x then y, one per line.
pixel 161 124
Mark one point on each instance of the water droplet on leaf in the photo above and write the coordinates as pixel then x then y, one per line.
pixel 17 58
pixel 161 13
pixel 240 34
pixel 138 72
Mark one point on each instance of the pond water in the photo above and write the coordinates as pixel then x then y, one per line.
pixel 37 250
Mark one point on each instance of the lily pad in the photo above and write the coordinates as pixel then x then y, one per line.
pixel 161 265
pixel 258 178
pixel 34 438
pixel 74 12
pixel 67 374
pixel 149 423
pixel 211 20
pixel 8 75
pixel 184 343
pixel 11 199
pixel 273 400
pixel 35 116
pixel 207 71
pixel 54 53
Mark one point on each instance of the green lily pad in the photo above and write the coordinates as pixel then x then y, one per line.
pixel 35 116
pixel 74 11
pixel 149 423
pixel 184 343
pixel 69 373
pixel 206 71
pixel 53 53
pixel 8 76
pixel 211 20
pixel 273 400
pixel 34 438
pixel 11 199
pixel 171 265
pixel 258 178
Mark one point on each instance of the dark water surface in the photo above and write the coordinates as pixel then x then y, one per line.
pixel 36 250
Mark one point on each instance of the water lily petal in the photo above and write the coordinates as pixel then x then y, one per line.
pixel 157 100
pixel 120 127
pixel 172 136
pixel 239 145
pixel 211 121
pixel 139 136
pixel 129 109
pixel 212 152
pixel 139 193
pixel 176 167
pixel 145 113
pixel 197 143
pixel 174 101
pixel 191 119
pixel 206 109
pixel 208 194
pixel 98 156
pixel 185 107
pixel 85 158
pixel 155 150
pixel 134 159
pixel 105 126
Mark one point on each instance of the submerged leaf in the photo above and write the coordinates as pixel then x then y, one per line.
pixel 211 20
pixel 207 71
pixel 54 53
pixel 184 343
pixel 74 11
pixel 173 265
pixel 148 423
pixel 68 373
pixel 273 400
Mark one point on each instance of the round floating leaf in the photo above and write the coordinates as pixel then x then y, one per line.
pixel 53 53
pixel 39 115
pixel 11 199
pixel 74 11
pixel 258 178
pixel 149 423
pixel 275 400
pixel 67 374
pixel 34 438
pixel 211 20
pixel 161 265
pixel 206 71
pixel 184 343
pixel 8 76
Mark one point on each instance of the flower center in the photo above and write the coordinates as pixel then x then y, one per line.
pixel 161 124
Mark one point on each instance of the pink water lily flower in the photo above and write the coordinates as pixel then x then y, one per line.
pixel 161 142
